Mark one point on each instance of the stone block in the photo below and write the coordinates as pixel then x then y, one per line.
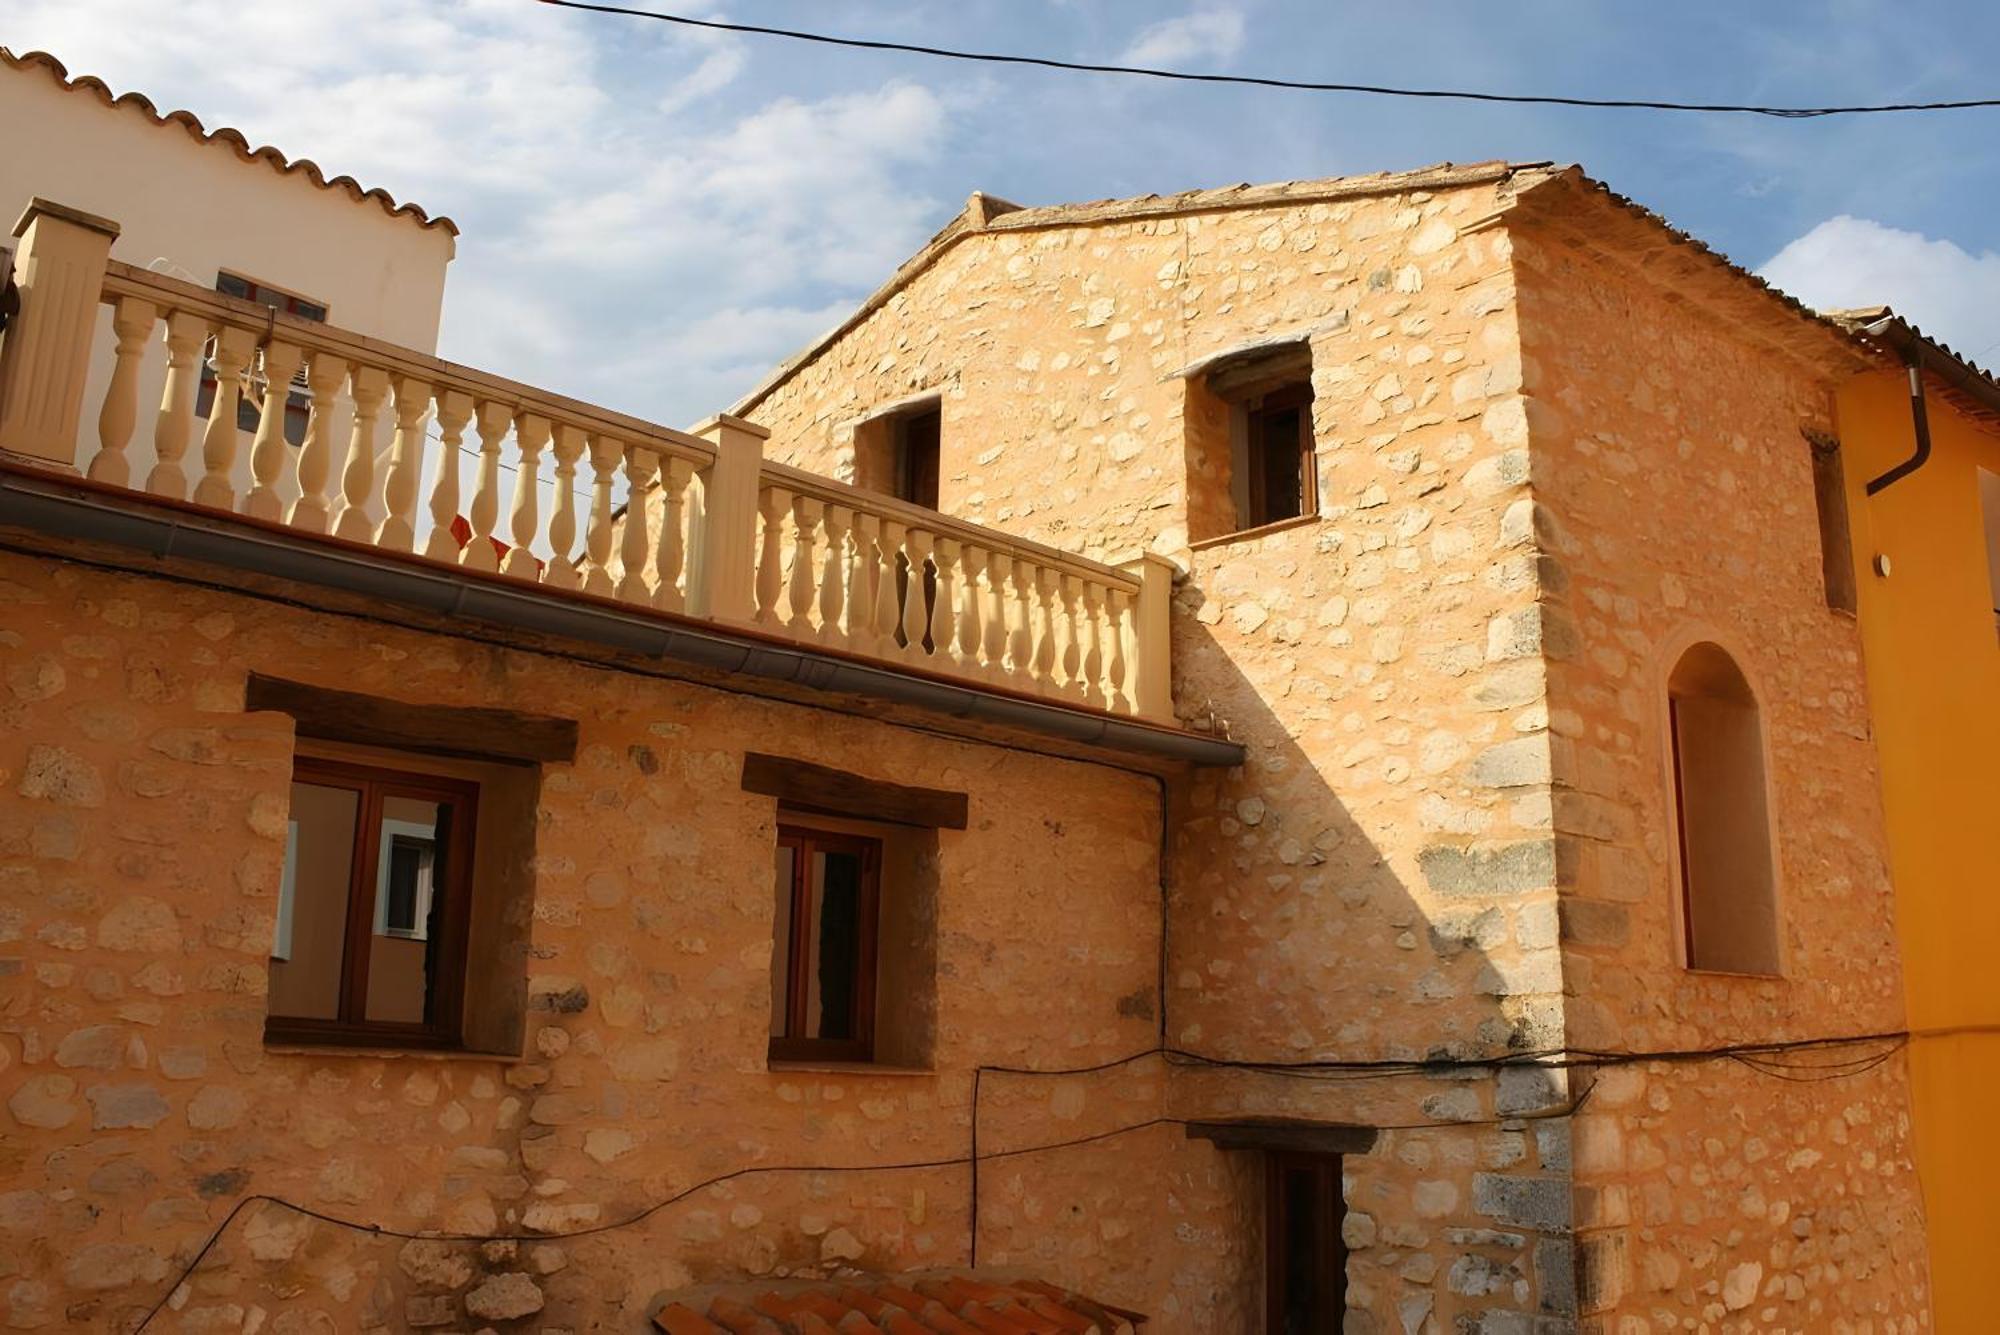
pixel 1541 1203
pixel 1505 869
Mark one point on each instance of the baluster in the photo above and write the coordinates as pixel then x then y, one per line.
pixel 965 644
pixel 132 321
pixel 1121 633
pixel 640 465
pixel 916 603
pixel 1093 642
pixel 324 377
pixel 562 571
pixel 995 611
pixel 479 552
pixel 220 437
pixel 406 463
pixel 367 386
pixel 1071 631
pixel 670 552
pixel 805 531
pixel 944 600
pixel 1021 634
pixel 772 503
pixel 174 427
pixel 605 455
pixel 454 410
pixel 1046 652
pixel 891 580
pixel 833 584
pixel 268 446
pixel 531 433
pixel 863 616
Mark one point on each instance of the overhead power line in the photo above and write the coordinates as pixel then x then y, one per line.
pixel 1259 81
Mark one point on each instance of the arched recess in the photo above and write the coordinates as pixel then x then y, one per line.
pixel 1722 815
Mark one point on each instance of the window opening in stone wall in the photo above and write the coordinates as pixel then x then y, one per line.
pixel 827 889
pixel 298 401
pixel 1250 454
pixel 918 442
pixel 373 912
pixel 1305 1255
pixel 1989 509
pixel 1722 816
pixel 1836 544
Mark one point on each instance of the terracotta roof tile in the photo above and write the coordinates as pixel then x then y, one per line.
pixel 950 1303
pixel 235 139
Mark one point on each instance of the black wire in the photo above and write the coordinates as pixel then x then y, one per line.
pixel 1257 81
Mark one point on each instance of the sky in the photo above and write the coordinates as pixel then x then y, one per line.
pixel 652 217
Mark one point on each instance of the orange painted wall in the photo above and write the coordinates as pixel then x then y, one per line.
pixel 1933 667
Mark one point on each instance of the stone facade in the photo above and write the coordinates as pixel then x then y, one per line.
pixel 1536 469
pixel 140 846
pixel 1538 472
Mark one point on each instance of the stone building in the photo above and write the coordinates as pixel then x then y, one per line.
pixel 1272 758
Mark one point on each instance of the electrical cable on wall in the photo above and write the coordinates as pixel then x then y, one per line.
pixel 1296 85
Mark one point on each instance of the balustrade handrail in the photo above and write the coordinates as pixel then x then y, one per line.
pixel 129 280
pixel 939 524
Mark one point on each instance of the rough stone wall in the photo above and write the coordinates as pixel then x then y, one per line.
pixel 141 838
pixel 1379 880
pixel 1674 498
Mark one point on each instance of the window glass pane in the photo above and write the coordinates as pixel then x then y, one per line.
pixel 1301 1254
pixel 834 959
pixel 409 866
pixel 230 285
pixel 322 862
pixel 781 942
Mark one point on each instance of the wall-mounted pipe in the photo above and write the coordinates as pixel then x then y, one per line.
pixel 1913 357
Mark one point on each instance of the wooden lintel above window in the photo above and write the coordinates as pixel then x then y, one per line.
pixel 832 792
pixel 1285 1136
pixel 329 715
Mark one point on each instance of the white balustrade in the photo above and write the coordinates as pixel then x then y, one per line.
pixel 681 525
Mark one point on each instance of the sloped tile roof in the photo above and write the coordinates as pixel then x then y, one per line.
pixel 187 120
pixel 953 1303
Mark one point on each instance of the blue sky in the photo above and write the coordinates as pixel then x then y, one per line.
pixel 652 217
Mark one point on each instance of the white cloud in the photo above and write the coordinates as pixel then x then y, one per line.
pixel 1945 290
pixel 642 226
pixel 1206 37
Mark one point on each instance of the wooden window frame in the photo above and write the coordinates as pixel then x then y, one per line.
pixel 1295 396
pixel 1330 1202
pixel 446 992
pixel 919 475
pixel 792 1045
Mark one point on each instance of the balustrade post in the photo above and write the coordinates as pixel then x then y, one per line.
pixel 1117 684
pixel 1048 590
pixel 132 323
pixel 174 426
pixel 1151 647
pixel 891 577
pixel 368 387
pixel 406 461
pixel 220 438
pixel 479 552
pixel 996 607
pixel 605 455
pixel 45 358
pixel 916 608
pixel 531 433
pixel 1021 631
pixel 772 506
pixel 562 572
pixel 267 447
pixel 324 376
pixel 965 644
pixel 670 547
pixel 454 411
pixel 722 571
pixel 805 575
pixel 640 465
pixel 1093 642
pixel 944 600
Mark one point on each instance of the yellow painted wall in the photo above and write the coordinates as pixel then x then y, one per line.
pixel 1933 668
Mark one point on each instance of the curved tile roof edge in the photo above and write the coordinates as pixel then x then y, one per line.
pixel 227 135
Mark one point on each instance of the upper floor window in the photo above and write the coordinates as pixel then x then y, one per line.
pixel 1250 454
pixel 897 452
pixel 1305 1256
pixel 1722 816
pixel 374 906
pixel 298 403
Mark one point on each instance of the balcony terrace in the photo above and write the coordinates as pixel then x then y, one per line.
pixel 740 563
